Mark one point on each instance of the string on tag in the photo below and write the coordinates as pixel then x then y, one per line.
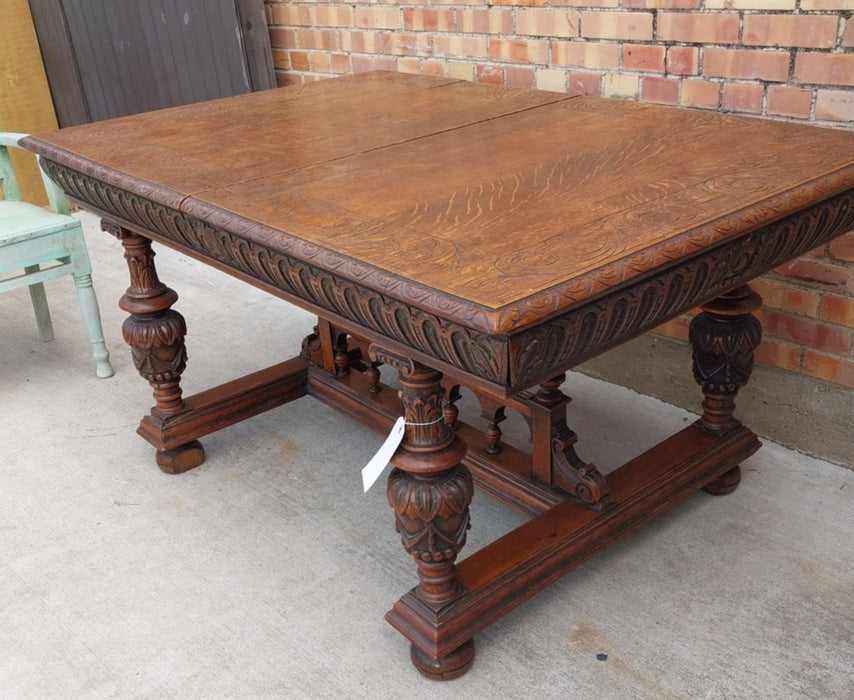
pixel 432 422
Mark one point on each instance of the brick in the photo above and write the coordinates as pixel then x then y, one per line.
pixel 698 28
pixel 683 60
pixel 701 93
pixel 279 15
pixel 584 83
pixel 282 38
pixel 788 101
pixel 383 63
pixel 746 64
pixel 494 75
pixel 820 251
pixel 451 46
pixel 848 34
pixel 521 77
pixel 838 370
pixel 482 21
pixel 286 79
pixel 621 85
pixel 824 68
pixel 777 353
pixel 814 31
pixel 662 4
pixel 295 16
pixel 298 60
pixel 742 98
pixel 660 90
pixel 821 275
pixel 409 64
pixel 784 297
pixel 820 5
pixel 433 67
pixel 333 16
pixel 363 42
pixel 842 248
pixel 377 17
pixel 643 57
pixel 523 3
pixel 585 54
pixel 409 44
pixel 810 333
pixel 421 19
pixel 281 59
pixel 340 63
pixel 361 64
pixel 520 50
pixel 836 309
pixel 273 12
pixel 317 39
pixel 460 71
pixel 835 105
pixel 320 61
pixel 750 4
pixel 617 25
pixel 551 80
pixel 604 4
pixel 557 23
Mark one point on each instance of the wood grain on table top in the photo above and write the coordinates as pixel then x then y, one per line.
pixel 489 195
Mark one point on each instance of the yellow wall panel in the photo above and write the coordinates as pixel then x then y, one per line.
pixel 25 101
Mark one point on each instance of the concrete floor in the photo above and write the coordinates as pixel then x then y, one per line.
pixel 265 573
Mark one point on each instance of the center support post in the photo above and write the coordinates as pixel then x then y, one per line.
pixel 430 492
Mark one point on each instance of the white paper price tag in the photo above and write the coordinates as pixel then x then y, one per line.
pixel 378 462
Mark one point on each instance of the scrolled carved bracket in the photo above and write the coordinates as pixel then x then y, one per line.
pixel 572 474
pixel 311 347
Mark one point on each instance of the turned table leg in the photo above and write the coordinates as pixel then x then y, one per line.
pixel 430 492
pixel 155 333
pixel 724 337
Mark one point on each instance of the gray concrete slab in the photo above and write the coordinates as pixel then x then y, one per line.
pixel 805 414
pixel 265 573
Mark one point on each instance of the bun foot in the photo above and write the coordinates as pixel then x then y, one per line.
pixel 182 458
pixel 725 483
pixel 447 668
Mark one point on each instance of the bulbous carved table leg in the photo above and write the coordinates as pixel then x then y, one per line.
pixel 724 337
pixel 430 492
pixel 155 333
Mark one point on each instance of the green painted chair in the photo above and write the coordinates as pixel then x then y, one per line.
pixel 37 245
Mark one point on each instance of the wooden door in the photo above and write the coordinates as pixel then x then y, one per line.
pixel 108 58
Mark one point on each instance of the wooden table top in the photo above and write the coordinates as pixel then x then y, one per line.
pixel 500 207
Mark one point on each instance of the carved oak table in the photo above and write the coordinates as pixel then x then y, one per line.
pixel 473 238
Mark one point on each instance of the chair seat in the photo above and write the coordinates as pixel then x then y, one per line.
pixel 20 221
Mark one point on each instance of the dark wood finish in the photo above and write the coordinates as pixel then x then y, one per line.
pixel 61 67
pixel 474 239
pixel 107 58
pixel 430 493
pixel 255 37
pixel 506 573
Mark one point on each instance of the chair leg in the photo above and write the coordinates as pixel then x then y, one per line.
pixel 39 299
pixel 92 317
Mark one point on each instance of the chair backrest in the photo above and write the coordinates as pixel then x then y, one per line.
pixel 9 182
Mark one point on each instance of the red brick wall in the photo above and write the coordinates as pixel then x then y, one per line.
pixel 780 59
